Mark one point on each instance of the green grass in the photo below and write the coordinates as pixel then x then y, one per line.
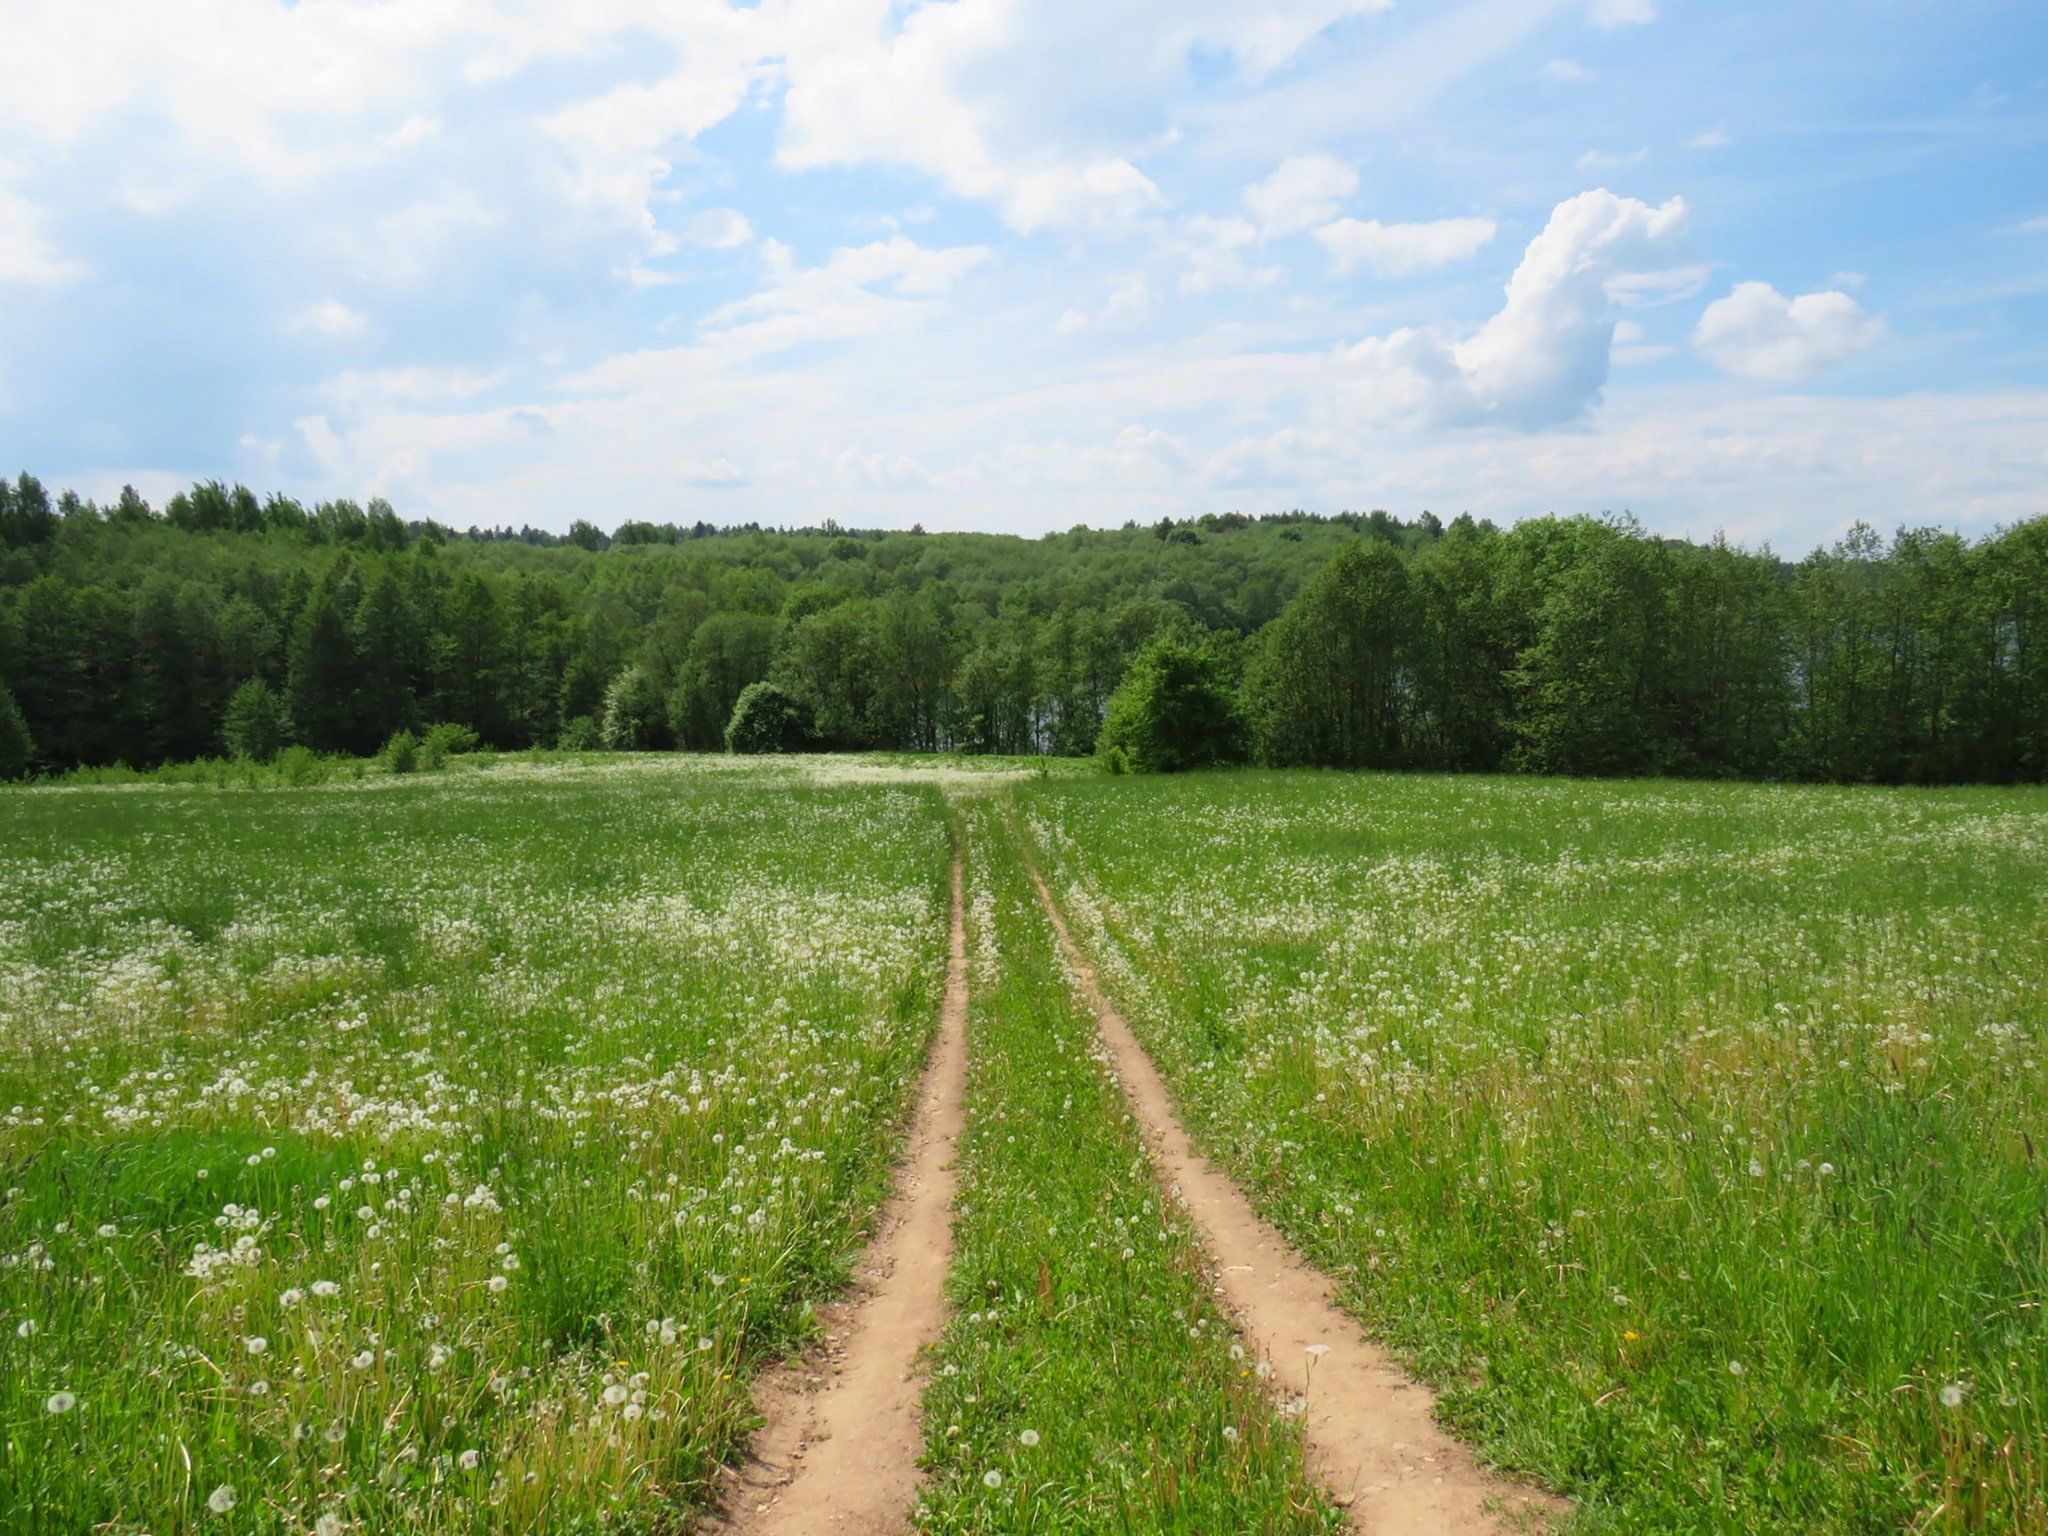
pixel 1087 1381
pixel 539 1104
pixel 1690 1135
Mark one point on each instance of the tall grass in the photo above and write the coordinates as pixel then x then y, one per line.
pixel 1691 1136
pixel 435 1155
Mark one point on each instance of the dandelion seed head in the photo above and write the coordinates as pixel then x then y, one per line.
pixel 60 1402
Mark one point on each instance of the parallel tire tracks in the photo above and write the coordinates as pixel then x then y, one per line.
pixel 1369 1431
pixel 839 1449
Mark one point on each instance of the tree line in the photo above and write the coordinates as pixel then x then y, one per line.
pixel 224 623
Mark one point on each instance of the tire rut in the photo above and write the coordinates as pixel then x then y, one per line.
pixel 840 1446
pixel 1369 1429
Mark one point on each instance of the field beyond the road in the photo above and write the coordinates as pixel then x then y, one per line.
pixel 448 1153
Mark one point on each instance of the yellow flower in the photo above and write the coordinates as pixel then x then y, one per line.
pixel 1629 1335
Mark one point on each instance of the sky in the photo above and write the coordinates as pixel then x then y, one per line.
pixel 1735 266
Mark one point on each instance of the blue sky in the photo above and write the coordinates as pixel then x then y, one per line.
pixel 1016 264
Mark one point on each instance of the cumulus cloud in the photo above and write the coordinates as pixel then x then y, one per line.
pixel 1544 356
pixel 1567 72
pixel 1401 250
pixel 1758 333
pixel 1302 192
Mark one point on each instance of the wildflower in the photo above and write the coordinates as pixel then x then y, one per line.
pixel 61 1402
pixel 497 1284
pixel 1736 1368
pixel 256 1344
pixel 326 1288
pixel 1230 1433
pixel 329 1524
pixel 1952 1395
pixel 26 1329
pixel 110 1230
pixel 992 1478
pixel 614 1395
pixel 467 1460
pixel 222 1499
pixel 1027 1438
pixel 363 1360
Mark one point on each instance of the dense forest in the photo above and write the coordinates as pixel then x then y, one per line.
pixel 224 623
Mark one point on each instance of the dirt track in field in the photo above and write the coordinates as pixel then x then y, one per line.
pixel 1371 1438
pixel 839 1450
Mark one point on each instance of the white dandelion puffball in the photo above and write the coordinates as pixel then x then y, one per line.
pixel 992 1478
pixel 328 1524
pixel 61 1402
pixel 497 1284
pixel 467 1460
pixel 1952 1396
pixel 255 1344
pixel 222 1499
pixel 1027 1438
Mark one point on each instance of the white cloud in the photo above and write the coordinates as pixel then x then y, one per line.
pixel 1632 349
pixel 1401 250
pixel 26 254
pixel 1610 160
pixel 2036 226
pixel 882 471
pixel 1544 356
pixel 1610 14
pixel 416 129
pixel 331 318
pixel 1302 192
pixel 720 229
pixel 1567 72
pixel 1758 333
pixel 1129 302
pixel 1712 138
pixel 1214 250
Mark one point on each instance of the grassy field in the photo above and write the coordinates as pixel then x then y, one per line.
pixel 435 1155
pixel 1692 1136
pixel 447 1153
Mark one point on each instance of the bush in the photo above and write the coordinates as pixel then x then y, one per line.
pixel 298 766
pixel 766 719
pixel 635 714
pixel 17 751
pixel 256 725
pixel 444 741
pixel 401 753
pixel 578 735
pixel 1174 709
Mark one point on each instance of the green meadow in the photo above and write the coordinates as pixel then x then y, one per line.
pixel 448 1153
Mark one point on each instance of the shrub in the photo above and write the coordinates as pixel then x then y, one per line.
pixel 443 741
pixel 1173 710
pixel 635 715
pixel 256 725
pixel 17 751
pixel 402 752
pixel 578 735
pixel 300 765
pixel 766 719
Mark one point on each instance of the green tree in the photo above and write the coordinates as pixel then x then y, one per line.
pixel 634 716
pixel 256 724
pixel 1334 670
pixel 320 681
pixel 1175 709
pixel 767 719
pixel 727 653
pixel 17 750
